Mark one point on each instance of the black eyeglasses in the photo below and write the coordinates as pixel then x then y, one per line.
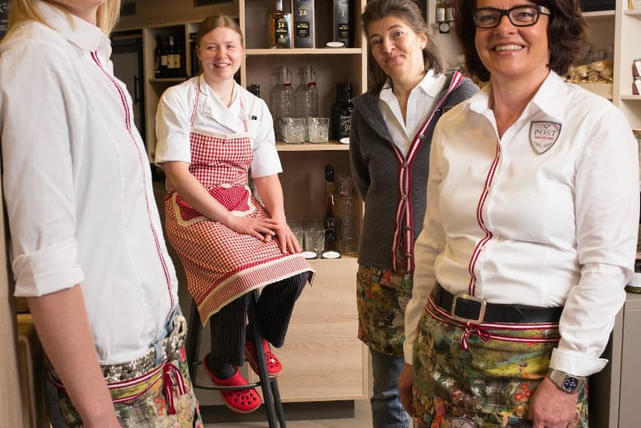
pixel 519 16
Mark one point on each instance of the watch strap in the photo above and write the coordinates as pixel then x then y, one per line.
pixel 566 382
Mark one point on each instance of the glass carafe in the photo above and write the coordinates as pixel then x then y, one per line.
pixel 307 93
pixel 282 97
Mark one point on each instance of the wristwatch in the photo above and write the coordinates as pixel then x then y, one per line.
pixel 565 381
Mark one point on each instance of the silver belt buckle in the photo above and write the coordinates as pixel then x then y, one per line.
pixel 466 296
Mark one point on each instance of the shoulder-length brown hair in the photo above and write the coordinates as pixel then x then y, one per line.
pixel 409 12
pixel 566 35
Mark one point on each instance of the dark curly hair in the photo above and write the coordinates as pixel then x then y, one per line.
pixel 566 35
pixel 410 13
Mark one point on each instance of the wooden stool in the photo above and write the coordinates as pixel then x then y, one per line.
pixel 269 387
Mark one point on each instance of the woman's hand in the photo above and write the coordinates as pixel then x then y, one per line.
pixel 552 408
pixel 286 239
pixel 261 229
pixel 405 383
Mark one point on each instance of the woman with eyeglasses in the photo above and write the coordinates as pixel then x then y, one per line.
pixel 530 232
pixel 391 130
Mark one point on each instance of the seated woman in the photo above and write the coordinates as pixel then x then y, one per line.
pixel 211 132
pixel 530 233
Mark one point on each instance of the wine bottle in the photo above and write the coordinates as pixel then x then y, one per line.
pixel 330 221
pixel 342 111
pixel 280 27
pixel 341 22
pixel 304 24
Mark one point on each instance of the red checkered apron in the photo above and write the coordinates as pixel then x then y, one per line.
pixel 222 265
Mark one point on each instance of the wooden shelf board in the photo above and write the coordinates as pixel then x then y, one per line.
pixel 631 97
pixel 168 79
pixel 311 147
pixel 598 14
pixel 305 51
pixel 603 89
pixel 633 12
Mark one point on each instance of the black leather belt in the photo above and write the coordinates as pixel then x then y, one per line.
pixel 466 308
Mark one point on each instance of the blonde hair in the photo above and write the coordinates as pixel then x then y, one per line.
pixel 26 10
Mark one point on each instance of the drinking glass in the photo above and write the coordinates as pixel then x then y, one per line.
pixel 318 129
pixel 292 129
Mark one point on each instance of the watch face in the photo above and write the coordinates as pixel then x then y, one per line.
pixel 570 383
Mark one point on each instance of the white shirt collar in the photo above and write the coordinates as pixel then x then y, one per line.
pixel 430 84
pixel 77 31
pixel 208 91
pixel 550 98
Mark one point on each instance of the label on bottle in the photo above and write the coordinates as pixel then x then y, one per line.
pixel 281 31
pixel 440 14
pixel 330 232
pixel 302 29
pixel 344 125
pixel 343 31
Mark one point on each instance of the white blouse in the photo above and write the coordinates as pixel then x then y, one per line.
pixel 173 123
pixel 77 185
pixel 546 216
pixel 419 105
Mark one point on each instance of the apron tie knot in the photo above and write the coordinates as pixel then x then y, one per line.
pixel 473 329
pixel 168 385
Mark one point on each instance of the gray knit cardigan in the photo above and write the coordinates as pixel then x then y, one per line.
pixel 375 172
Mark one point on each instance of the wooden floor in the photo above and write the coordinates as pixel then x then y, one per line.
pixel 342 414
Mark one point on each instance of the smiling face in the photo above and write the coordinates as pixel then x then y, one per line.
pixel 511 52
pixel 220 53
pixel 397 49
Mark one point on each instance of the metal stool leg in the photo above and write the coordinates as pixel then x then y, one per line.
pixel 277 403
pixel 269 387
pixel 193 341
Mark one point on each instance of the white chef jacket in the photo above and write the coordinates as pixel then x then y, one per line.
pixel 173 123
pixel 419 105
pixel 554 229
pixel 77 185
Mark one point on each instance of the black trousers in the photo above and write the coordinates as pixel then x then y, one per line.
pixel 275 307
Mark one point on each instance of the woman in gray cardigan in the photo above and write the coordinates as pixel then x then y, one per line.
pixel 390 137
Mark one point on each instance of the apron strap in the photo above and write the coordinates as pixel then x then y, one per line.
pixel 403 230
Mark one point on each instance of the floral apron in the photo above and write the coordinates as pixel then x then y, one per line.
pixel 222 265
pixel 469 375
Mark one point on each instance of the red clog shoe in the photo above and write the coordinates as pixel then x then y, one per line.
pixel 274 367
pixel 239 401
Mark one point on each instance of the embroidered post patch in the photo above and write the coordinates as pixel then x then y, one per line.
pixel 543 135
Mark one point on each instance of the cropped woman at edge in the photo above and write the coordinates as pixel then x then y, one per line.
pixel 530 232
pixel 390 137
pixel 87 245
pixel 211 132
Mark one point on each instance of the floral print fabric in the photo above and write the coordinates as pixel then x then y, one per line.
pixel 382 296
pixel 487 385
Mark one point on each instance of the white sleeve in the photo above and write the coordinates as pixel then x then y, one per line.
pixel 266 161
pixel 173 126
pixel 38 112
pixel 607 215
pixel 429 244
